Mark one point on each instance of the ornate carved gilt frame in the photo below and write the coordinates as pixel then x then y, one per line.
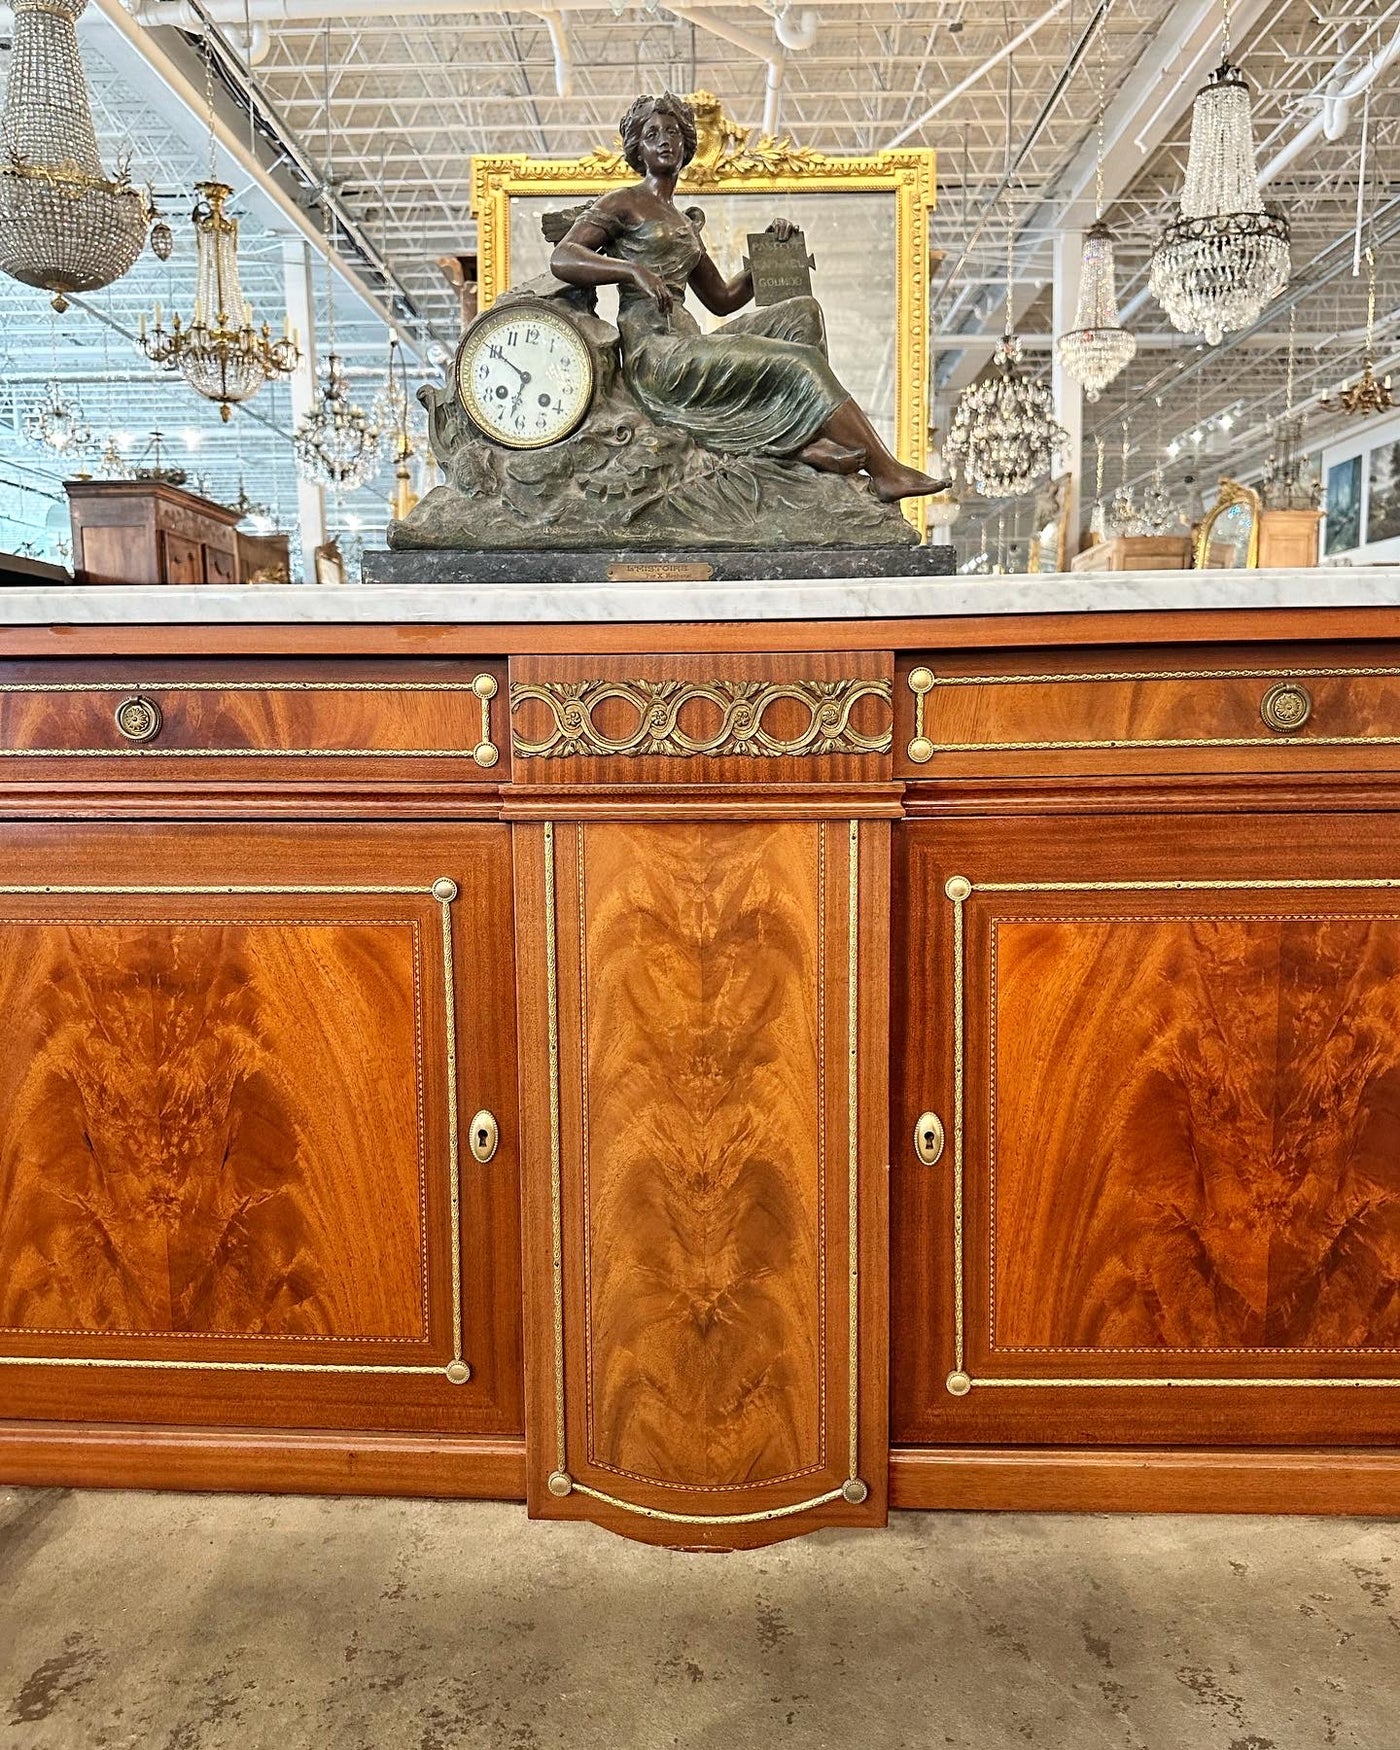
pixel 1232 494
pixel 731 160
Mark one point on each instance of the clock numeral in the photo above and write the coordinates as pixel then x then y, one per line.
pixel 494 351
pixel 532 336
pixel 513 337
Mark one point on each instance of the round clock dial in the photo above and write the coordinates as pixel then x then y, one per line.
pixel 524 375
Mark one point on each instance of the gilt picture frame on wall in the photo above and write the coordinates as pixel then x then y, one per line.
pixel 1343 505
pixel 1383 498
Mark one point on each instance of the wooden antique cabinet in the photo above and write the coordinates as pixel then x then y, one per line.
pixel 146 531
pixel 715 1080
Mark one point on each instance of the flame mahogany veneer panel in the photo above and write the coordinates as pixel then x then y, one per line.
pixel 1197 1134
pixel 704 1075
pixel 174 1151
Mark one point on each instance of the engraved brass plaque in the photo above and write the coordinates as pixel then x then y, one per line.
pixel 661 571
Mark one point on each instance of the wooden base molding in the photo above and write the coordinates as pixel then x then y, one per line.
pixel 1141 1479
pixel 107 1456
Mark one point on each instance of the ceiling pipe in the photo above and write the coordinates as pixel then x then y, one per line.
pixel 553 21
pixel 763 50
pixel 992 61
pixel 186 15
pixel 1333 117
pixel 795 31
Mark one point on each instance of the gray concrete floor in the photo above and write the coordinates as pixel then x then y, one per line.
pixel 195 1622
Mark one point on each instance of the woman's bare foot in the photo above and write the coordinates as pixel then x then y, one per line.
pixel 831 457
pixel 891 484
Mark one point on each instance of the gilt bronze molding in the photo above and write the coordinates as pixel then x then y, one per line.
pixel 741 705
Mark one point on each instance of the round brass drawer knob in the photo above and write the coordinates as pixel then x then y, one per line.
pixel 138 718
pixel 1286 707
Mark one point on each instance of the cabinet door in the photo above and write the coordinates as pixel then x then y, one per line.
pixel 219 566
pixel 236 1115
pixel 1165 1053
pixel 184 558
pixel 704 1010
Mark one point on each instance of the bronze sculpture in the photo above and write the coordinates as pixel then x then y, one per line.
pixel 742 439
pixel 761 384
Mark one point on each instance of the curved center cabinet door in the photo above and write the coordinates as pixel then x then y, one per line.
pixel 704 1080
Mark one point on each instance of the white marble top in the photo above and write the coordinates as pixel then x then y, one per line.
pixel 889 598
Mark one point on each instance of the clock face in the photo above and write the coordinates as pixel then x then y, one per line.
pixel 525 376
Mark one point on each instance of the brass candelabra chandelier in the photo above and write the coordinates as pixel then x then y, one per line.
pixel 219 352
pixel 1368 395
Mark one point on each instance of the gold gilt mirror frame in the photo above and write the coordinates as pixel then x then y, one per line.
pixel 730 160
pixel 1233 496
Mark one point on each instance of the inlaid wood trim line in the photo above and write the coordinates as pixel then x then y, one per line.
pixel 1158 674
pixel 759 1517
pixel 561 1482
pixel 485 753
pixel 742 705
pixel 959 889
pixel 853 1479
pixel 580 875
pixel 444 890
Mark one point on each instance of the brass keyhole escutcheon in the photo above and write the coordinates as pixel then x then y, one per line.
pixel 1286 707
pixel 138 718
pixel 928 1138
pixel 483 1136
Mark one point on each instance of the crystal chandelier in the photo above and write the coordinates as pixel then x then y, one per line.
pixel 1368 394
pixel 389 414
pixel 57 426
pixel 1224 256
pixel 64 226
pixel 336 444
pixel 220 354
pixel 1004 434
pixel 1098 347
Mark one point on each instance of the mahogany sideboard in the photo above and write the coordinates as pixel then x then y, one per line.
pixel 717 1078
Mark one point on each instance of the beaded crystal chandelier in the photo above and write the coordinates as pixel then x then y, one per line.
pixel 1004 434
pixel 1224 256
pixel 220 353
pixel 1098 347
pixel 336 444
pixel 57 425
pixel 64 226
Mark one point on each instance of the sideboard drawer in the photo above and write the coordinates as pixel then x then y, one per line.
pixel 1149 711
pixel 288 720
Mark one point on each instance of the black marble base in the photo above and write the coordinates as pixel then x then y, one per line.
pixel 713 566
